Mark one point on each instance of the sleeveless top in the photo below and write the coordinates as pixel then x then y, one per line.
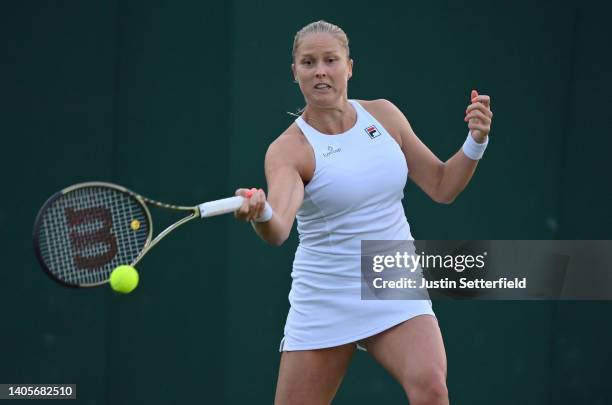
pixel 355 194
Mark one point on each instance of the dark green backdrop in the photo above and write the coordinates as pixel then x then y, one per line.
pixel 179 100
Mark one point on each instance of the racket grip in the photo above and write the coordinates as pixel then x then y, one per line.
pixel 220 207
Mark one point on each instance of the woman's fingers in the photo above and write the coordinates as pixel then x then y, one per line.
pixel 242 212
pixel 479 107
pixel 479 126
pixel 261 202
pixel 241 192
pixel 486 100
pixel 481 98
pixel 249 204
pixel 478 114
pixel 253 205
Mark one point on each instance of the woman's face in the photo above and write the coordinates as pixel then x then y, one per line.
pixel 322 69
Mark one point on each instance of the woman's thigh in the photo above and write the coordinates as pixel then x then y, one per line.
pixel 413 352
pixel 312 376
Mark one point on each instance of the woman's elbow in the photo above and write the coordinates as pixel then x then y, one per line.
pixel 277 239
pixel 447 201
pixel 276 242
pixel 443 199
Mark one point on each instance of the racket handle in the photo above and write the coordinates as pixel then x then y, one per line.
pixel 219 207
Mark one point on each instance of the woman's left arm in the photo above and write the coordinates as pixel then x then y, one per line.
pixel 458 170
pixel 443 181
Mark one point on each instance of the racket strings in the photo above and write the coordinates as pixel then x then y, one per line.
pixel 87 232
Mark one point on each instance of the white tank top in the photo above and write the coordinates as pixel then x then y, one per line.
pixel 355 194
pixel 357 188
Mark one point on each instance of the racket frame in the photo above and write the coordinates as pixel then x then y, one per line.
pixel 143 201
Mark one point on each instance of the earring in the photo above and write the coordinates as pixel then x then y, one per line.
pixel 295 80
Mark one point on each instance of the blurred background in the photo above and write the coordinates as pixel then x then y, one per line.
pixel 179 101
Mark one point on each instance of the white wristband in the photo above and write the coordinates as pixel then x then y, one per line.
pixel 473 149
pixel 265 215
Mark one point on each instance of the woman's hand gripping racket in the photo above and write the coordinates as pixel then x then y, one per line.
pixel 84 231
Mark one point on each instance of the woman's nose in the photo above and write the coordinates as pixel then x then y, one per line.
pixel 320 71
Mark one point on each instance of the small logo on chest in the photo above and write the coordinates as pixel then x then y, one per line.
pixel 331 150
pixel 372 131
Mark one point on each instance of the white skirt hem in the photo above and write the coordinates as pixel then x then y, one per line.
pixel 287 346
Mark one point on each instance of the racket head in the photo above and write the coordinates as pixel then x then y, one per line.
pixel 84 231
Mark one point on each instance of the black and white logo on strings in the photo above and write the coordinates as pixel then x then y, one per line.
pixel 372 131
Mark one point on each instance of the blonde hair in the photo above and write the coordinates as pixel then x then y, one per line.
pixel 321 27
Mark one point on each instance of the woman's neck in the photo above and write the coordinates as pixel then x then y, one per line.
pixel 334 120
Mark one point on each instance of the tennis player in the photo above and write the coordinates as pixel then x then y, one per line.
pixel 340 169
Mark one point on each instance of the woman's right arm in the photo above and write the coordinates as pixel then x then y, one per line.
pixel 285 192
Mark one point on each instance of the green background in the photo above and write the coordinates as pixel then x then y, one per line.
pixel 179 101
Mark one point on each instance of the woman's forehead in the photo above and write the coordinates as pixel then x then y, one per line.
pixel 319 42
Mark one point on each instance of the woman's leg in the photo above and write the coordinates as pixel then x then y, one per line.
pixel 312 376
pixel 413 352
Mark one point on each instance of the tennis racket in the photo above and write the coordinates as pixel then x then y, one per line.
pixel 86 230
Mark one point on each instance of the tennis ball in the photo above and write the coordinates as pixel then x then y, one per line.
pixel 135 225
pixel 124 279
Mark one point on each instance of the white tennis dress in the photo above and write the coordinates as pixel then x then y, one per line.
pixel 355 194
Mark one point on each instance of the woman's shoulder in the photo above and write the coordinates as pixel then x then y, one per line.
pixel 291 149
pixel 291 138
pixel 379 106
pixel 387 114
pixel 289 144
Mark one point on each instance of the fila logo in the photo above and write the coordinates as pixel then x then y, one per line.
pixel 331 150
pixel 372 131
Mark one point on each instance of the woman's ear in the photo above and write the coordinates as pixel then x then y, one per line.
pixel 293 73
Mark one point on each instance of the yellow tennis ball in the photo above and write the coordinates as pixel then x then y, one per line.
pixel 135 225
pixel 124 279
